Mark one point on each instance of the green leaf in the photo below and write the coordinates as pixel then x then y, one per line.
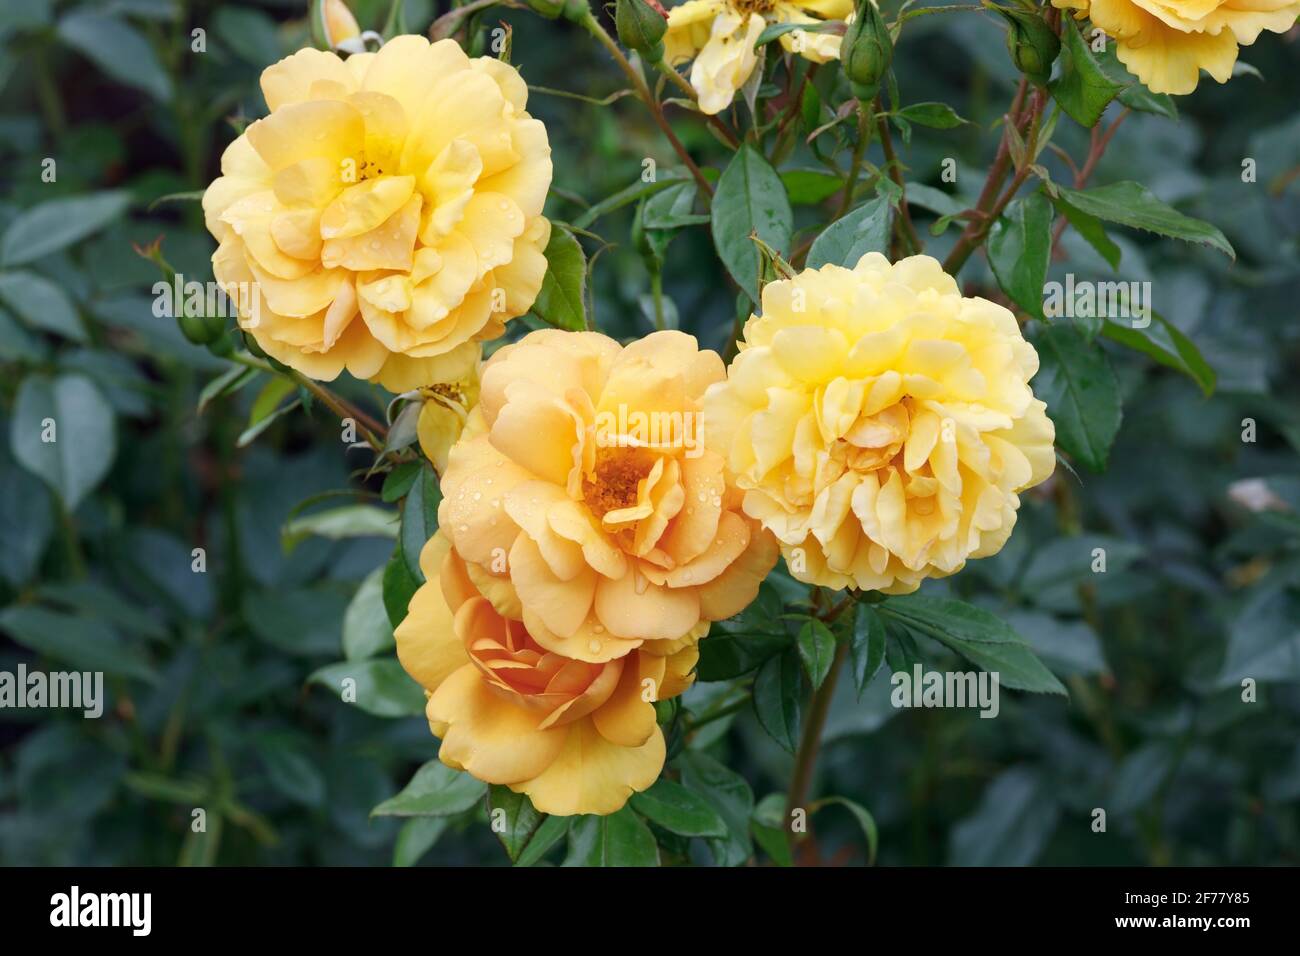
pixel 816 646
pixel 934 115
pixel 1081 392
pixel 1091 229
pixel 380 686
pixel 41 304
pixel 85 643
pixel 768 822
pixel 778 698
pixel 52 225
pixel 868 646
pixel 1019 247
pixel 26 524
pixel 551 832
pixel 562 299
pixel 435 791
pixel 750 199
pixel 774 31
pixel 864 818
pixel 678 810
pixel 337 524
pixel 627 196
pixel 416 838
pixel 673 208
pixel 739 644
pixel 419 518
pixel 730 795
pixel 619 839
pixel 228 382
pixel 1138 97
pixel 291 770
pixel 1082 87
pixel 118 49
pixel 980 637
pixel 513 818
pixel 72 412
pixel 807 187
pixel 266 408
pixel 1011 825
pixel 97 601
pixel 397 483
pixel 1164 342
pixel 848 239
pixel 399 587
pixel 366 628
pixel 1132 204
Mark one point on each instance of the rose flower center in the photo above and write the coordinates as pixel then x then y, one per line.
pixel 614 482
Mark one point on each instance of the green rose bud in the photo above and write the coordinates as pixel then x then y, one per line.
pixel 866 51
pixel 1033 45
pixel 547 8
pixel 641 28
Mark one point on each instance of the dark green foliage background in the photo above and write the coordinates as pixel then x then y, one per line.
pixel 213 706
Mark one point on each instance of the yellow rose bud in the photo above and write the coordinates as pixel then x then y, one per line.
pixel 1167 44
pixel 577 737
pixel 442 418
pixel 386 216
pixel 333 23
pixel 584 503
pixel 881 424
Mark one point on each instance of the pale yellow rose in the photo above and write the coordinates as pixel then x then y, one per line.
pixel 719 35
pixel 577 737
pixel 584 503
pixel 881 424
pixel 386 216
pixel 1166 43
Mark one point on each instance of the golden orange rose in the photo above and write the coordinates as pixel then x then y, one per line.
pixel 584 503
pixel 386 215
pixel 577 737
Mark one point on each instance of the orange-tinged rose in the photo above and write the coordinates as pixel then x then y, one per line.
pixel 576 736
pixel 583 501
pixel 386 216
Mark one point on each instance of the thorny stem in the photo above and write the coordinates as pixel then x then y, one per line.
pixel 975 231
pixel 679 81
pixel 855 164
pixel 592 26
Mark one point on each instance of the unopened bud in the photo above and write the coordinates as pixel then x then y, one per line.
pixel 866 51
pixel 332 24
pixel 1033 45
pixel 641 28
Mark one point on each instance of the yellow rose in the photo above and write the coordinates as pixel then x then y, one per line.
pixel 719 35
pixel 442 417
pixel 584 503
pixel 577 737
pixel 881 424
pixel 386 216
pixel 1165 43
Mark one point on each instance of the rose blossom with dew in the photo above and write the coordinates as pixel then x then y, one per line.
pixel 575 736
pixel 599 544
pixel 388 211
pixel 881 424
